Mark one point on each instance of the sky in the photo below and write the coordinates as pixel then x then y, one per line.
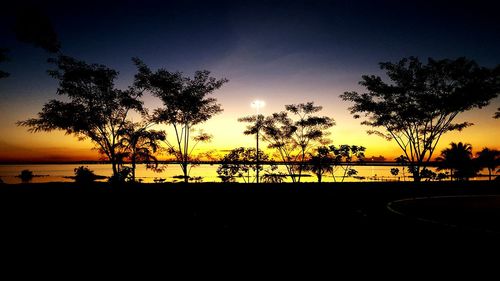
pixel 282 52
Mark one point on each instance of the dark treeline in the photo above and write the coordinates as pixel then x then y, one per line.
pixel 418 105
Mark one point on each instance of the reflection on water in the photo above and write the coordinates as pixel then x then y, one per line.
pixel 60 172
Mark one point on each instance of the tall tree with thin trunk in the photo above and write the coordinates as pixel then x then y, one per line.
pixel 186 104
pixel 96 110
pixel 421 102
pixel 256 124
pixel 294 132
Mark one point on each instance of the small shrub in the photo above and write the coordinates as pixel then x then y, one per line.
pixel 84 175
pixel 26 175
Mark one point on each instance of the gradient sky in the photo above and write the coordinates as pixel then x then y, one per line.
pixel 282 52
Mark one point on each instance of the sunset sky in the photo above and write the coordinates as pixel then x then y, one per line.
pixel 282 52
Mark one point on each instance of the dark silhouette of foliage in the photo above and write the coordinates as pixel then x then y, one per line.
pixel 140 144
pixel 3 57
pixel 320 163
pixel 241 163
pixel 96 109
pixel 26 175
pixel 34 27
pixel 84 175
pixel 421 102
pixel 294 138
pixel 497 114
pixel 403 161
pixel 256 124
pixel 395 172
pixel 428 175
pixel 489 159
pixel 345 156
pixel 458 159
pixel 185 105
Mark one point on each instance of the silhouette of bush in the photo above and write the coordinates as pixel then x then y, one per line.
pixel 26 175
pixel 84 175
pixel 121 177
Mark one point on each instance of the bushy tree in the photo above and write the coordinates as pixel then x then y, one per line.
pixel 458 159
pixel 241 163
pixel 489 159
pixel 421 101
pixel 95 109
pixel 321 162
pixel 26 175
pixel 294 132
pixel 395 172
pixel 186 104
pixel 84 175
pixel 344 157
pixel 34 27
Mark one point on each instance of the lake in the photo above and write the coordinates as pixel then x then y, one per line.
pixel 208 173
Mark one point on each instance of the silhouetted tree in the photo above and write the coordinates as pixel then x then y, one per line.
pixel 26 175
pixel 458 159
pixel 84 175
pixel 321 162
pixel 34 27
pixel 185 105
pixel 489 159
pixel 257 123
pixel 395 172
pixel 497 114
pixel 3 57
pixel 344 157
pixel 421 102
pixel 293 138
pixel 402 160
pixel 96 109
pixel 428 175
pixel 139 144
pixel 241 162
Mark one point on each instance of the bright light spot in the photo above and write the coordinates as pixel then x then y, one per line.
pixel 258 104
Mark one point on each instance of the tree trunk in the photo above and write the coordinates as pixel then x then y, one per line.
pixel 185 172
pixel 257 160
pixel 133 169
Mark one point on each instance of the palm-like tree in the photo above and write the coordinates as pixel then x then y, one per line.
pixel 488 158
pixel 139 144
pixel 256 124
pixel 457 158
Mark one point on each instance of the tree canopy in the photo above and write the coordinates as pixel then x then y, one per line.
pixel 95 110
pixel 294 132
pixel 421 101
pixel 186 103
pixel 32 26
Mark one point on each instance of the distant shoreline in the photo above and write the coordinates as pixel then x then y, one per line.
pixel 365 163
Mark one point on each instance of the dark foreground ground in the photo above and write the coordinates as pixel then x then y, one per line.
pixel 276 222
